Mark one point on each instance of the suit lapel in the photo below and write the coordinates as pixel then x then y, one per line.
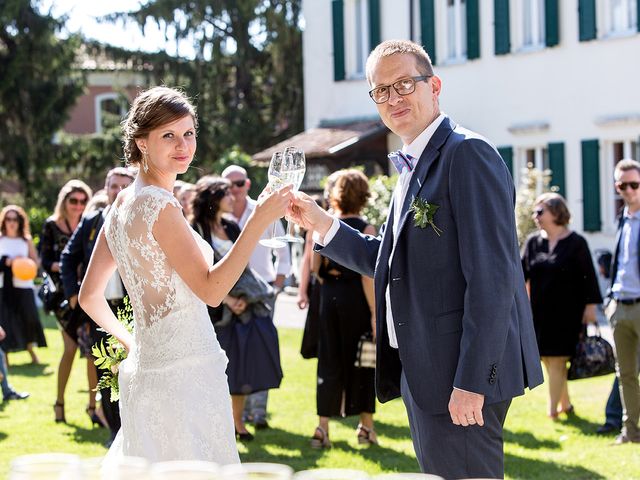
pixel 429 155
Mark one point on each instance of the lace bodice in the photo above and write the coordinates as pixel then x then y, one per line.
pixel 170 322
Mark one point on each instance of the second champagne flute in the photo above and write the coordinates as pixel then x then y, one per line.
pixel 292 171
pixel 275 166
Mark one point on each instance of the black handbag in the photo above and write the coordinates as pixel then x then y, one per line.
pixel 48 293
pixel 593 357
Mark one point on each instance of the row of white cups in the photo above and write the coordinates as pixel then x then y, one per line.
pixel 62 466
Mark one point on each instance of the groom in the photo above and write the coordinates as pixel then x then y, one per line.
pixel 455 335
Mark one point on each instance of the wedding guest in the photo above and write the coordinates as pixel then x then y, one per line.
pixel 8 393
pixel 185 197
pixel 623 309
pixel 18 312
pixel 243 323
pixel 58 228
pixel 564 293
pixel 347 313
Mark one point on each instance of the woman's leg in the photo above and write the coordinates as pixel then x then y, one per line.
pixel 557 372
pixel 365 431
pixel 34 356
pixel 92 377
pixel 237 405
pixel 64 368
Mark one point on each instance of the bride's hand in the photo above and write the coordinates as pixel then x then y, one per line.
pixel 272 205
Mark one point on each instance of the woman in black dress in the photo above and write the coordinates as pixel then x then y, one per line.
pixel 56 232
pixel 563 289
pixel 243 323
pixel 18 312
pixel 346 314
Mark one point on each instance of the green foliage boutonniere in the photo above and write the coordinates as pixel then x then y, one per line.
pixel 423 213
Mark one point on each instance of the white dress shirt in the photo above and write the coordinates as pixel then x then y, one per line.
pixel 414 149
pixel 261 259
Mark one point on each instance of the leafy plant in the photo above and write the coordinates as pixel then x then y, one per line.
pixel 533 182
pixel 377 208
pixel 109 356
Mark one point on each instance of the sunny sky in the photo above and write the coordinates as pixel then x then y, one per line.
pixel 82 18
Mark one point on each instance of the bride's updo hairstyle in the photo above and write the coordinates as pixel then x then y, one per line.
pixel 151 109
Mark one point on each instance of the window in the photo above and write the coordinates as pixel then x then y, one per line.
pixel 356 16
pixel 456 29
pixel 533 23
pixel 620 16
pixel 110 108
pixel 531 157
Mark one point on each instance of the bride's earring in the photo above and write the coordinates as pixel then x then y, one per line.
pixel 145 161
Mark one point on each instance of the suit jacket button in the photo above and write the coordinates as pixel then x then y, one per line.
pixel 492 380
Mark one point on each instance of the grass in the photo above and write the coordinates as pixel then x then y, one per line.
pixel 535 448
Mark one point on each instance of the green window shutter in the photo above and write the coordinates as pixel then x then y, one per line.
pixel 502 35
pixel 374 23
pixel 587 19
pixel 638 16
pixel 428 28
pixel 473 29
pixel 337 7
pixel 591 185
pixel 551 23
pixel 507 155
pixel 556 165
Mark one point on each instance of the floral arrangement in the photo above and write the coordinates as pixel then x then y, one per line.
pixel 109 354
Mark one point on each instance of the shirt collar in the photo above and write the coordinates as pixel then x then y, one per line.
pixel 418 145
pixel 627 215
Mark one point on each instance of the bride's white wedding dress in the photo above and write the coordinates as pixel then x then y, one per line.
pixel 174 396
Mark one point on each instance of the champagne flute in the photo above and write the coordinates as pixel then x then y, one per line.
pixel 274 181
pixel 292 171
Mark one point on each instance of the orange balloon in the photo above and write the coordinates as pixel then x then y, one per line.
pixel 24 268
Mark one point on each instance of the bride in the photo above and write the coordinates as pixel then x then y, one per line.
pixel 174 395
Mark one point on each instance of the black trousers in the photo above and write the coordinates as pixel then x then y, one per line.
pixel 452 451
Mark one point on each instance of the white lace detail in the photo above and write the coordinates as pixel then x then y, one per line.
pixel 174 395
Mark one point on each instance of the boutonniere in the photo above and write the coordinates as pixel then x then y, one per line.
pixel 423 213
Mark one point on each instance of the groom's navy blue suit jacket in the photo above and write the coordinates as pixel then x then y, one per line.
pixel 460 309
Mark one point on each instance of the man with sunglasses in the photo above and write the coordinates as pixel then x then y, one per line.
pixel 623 310
pixel 455 336
pixel 272 264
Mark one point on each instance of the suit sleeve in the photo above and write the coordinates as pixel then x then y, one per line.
pixel 353 250
pixel 482 199
pixel 70 260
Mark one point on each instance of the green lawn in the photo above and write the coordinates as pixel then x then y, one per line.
pixel 535 448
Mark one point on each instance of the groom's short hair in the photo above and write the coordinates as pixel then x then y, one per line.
pixel 394 47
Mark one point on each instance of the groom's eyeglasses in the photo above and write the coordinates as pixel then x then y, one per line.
pixel 404 86
pixel 623 185
pixel 239 183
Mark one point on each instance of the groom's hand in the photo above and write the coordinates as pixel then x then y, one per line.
pixel 465 408
pixel 304 211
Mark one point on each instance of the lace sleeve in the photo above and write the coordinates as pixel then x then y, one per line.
pixel 149 273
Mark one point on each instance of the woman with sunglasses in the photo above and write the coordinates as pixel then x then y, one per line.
pixel 18 311
pixel 564 292
pixel 58 228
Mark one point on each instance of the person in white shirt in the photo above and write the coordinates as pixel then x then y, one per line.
pixel 272 264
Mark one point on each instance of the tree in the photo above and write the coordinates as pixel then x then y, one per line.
pixel 38 88
pixel 246 77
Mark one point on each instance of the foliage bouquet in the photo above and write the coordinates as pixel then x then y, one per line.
pixel 109 354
